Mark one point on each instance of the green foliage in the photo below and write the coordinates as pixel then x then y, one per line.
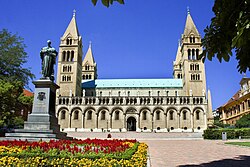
pixel 247 144
pixel 107 3
pixel 12 58
pixel 9 93
pixel 231 133
pixel 243 122
pixel 229 30
pixel 18 122
pixel 219 124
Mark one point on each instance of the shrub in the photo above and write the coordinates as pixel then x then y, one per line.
pixel 243 122
pixel 231 133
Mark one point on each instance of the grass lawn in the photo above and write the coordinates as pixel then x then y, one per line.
pixel 247 144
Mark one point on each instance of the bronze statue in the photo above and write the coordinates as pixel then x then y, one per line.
pixel 48 55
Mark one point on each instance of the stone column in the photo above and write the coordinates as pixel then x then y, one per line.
pixel 124 121
pixel 96 125
pixel 83 120
pixel 152 119
pixel 192 120
pixel 178 119
pixel 111 121
pixel 166 120
pixel 69 123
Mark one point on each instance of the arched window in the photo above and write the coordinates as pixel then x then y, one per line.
pixel 119 93
pixel 157 115
pixel 149 93
pixel 193 39
pixel 158 93
pixel 69 68
pixel 76 113
pixel 63 113
pixel 197 115
pixel 63 78
pixel 197 67
pixel 128 93
pixel 144 115
pixel 83 76
pixel 70 41
pixel 89 115
pixel 117 115
pixel 100 93
pixel 193 54
pixel 89 76
pixel 103 115
pixel 189 54
pixel 64 68
pixel 68 78
pixel 178 76
pixel 171 115
pixel 67 41
pixel 68 55
pixel 72 56
pixel 63 56
pixel 197 53
pixel 190 39
pixel 184 114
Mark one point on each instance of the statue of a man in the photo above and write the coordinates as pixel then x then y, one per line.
pixel 48 55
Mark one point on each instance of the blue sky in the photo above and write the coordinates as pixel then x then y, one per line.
pixel 135 40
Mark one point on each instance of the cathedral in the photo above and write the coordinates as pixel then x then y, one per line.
pixel 85 103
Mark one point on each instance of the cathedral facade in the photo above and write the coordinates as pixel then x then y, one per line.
pixel 86 103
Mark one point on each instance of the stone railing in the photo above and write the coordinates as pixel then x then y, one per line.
pixel 131 100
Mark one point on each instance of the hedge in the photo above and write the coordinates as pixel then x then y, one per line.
pixel 231 133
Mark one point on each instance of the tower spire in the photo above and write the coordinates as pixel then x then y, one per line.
pixel 188 11
pixel 190 26
pixel 90 44
pixel 72 28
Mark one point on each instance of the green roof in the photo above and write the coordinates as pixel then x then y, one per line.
pixel 132 83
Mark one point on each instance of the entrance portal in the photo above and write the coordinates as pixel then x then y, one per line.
pixel 131 124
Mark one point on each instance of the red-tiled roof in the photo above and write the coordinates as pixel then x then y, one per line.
pixel 27 93
pixel 235 97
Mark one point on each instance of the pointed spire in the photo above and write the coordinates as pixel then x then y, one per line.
pixel 72 28
pixel 188 11
pixel 190 26
pixel 210 110
pixel 178 54
pixel 89 56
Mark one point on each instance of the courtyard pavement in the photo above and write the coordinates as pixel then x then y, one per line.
pixel 183 149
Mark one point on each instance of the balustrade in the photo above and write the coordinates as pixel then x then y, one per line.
pixel 132 100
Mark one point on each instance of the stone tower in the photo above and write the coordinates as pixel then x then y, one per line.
pixel 70 61
pixel 89 68
pixel 187 65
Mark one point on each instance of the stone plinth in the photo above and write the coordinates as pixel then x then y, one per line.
pixel 42 122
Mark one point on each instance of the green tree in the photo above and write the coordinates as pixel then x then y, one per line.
pixel 228 31
pixel 12 59
pixel 107 3
pixel 243 122
pixel 13 77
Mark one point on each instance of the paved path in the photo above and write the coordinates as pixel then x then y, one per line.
pixel 184 149
pixel 191 153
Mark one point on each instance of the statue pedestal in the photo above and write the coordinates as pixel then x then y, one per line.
pixel 42 122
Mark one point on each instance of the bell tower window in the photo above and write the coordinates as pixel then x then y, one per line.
pixel 189 54
pixel 72 56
